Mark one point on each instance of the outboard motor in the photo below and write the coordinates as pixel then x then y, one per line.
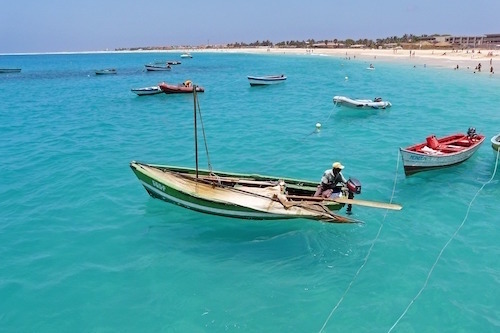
pixel 354 187
pixel 471 132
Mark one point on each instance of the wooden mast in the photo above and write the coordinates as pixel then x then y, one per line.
pixel 195 131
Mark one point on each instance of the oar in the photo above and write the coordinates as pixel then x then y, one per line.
pixel 349 201
pixel 368 203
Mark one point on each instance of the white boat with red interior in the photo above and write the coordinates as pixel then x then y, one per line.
pixel 441 152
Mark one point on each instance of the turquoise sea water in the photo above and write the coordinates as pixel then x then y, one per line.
pixel 85 249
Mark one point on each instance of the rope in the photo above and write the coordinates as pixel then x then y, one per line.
pixel 316 130
pixel 367 255
pixel 204 136
pixel 445 246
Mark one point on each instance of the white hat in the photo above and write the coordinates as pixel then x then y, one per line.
pixel 337 165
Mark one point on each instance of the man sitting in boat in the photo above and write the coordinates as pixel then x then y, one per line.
pixel 332 182
pixel 187 83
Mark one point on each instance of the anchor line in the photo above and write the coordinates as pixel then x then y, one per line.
pixel 445 246
pixel 367 255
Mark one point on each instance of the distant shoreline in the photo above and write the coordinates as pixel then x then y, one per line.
pixel 445 58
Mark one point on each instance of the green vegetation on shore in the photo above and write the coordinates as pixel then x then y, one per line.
pixel 407 40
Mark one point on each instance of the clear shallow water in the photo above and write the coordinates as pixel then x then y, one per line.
pixel 84 248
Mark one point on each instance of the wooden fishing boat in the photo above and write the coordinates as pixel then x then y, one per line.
pixel 10 70
pixel 443 152
pixel 105 71
pixel 147 91
pixel 495 144
pixel 245 196
pixel 185 87
pixel 376 103
pixel 266 80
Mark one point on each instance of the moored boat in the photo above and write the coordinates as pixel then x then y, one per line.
pixel 167 62
pixel 186 55
pixel 105 71
pixel 157 68
pixel 441 152
pixel 495 144
pixel 147 90
pixel 10 70
pixel 181 88
pixel 376 103
pixel 266 80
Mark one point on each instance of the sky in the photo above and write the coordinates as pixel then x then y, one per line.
pixel 32 26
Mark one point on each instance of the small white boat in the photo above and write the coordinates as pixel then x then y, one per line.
pixel 186 55
pixel 157 68
pixel 266 80
pixel 147 90
pixel 10 70
pixel 495 144
pixel 376 103
pixel 105 71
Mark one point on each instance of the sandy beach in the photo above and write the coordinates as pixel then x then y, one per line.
pixel 446 58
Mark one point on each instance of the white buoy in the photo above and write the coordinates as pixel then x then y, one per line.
pixel 347 78
pixel 318 127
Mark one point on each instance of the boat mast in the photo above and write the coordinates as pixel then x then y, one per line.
pixel 195 131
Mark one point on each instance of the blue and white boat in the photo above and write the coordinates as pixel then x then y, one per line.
pixel 266 80
pixel 157 68
pixel 147 90
pixel 105 71
pixel 10 70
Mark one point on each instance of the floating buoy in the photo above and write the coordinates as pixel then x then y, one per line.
pixel 318 127
pixel 347 78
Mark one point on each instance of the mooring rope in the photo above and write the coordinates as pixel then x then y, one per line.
pixel 445 246
pixel 367 255
pixel 204 136
pixel 318 129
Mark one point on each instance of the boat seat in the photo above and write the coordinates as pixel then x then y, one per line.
pixel 451 148
pixel 430 151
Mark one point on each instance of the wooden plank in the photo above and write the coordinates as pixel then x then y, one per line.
pixel 343 200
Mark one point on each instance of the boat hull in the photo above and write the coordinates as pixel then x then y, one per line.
pixel 10 70
pixel 154 68
pixel 417 159
pixel 495 144
pixel 179 89
pixel 105 71
pixel 178 186
pixel 147 91
pixel 265 80
pixel 360 103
